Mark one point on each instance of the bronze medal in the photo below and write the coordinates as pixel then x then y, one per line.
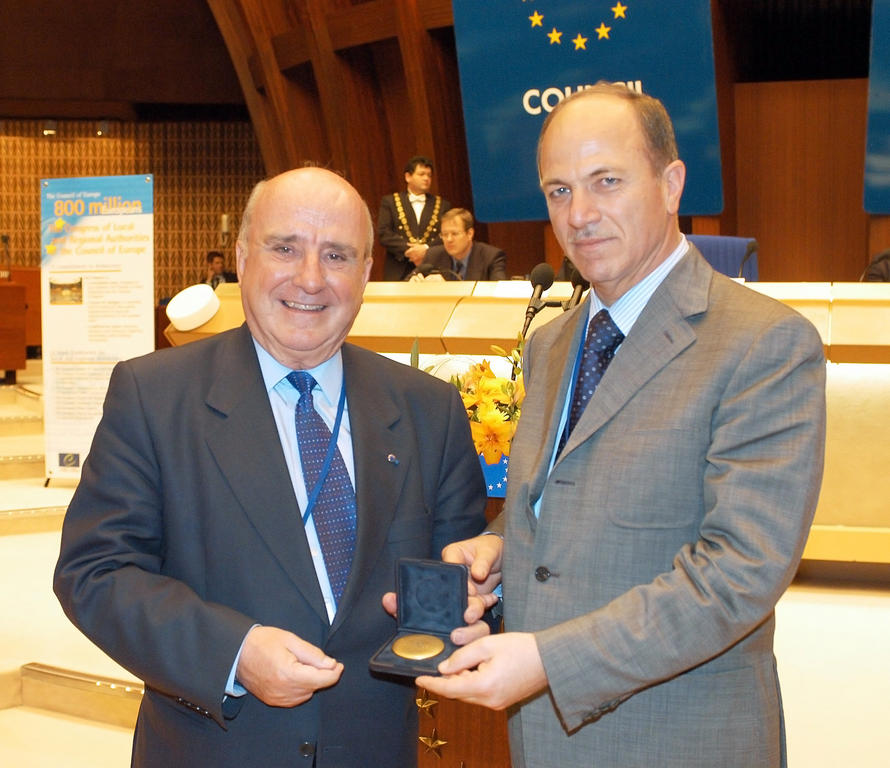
pixel 418 646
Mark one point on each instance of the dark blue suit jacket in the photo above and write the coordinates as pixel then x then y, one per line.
pixel 184 532
pixel 484 262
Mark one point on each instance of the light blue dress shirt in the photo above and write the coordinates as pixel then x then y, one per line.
pixel 325 396
pixel 283 399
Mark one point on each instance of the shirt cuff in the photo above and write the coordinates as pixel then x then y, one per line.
pixel 233 687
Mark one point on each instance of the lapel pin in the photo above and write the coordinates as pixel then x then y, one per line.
pixel 392 459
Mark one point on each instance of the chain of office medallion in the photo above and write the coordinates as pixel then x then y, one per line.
pixel 404 221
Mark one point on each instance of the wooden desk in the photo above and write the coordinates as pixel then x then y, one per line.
pixel 30 278
pixel 12 328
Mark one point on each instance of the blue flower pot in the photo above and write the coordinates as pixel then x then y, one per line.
pixel 495 476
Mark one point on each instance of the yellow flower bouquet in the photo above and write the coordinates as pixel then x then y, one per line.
pixel 493 405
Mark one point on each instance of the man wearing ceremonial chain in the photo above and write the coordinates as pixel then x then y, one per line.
pixel 408 222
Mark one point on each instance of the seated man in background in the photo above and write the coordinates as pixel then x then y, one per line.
pixel 408 222
pixel 216 270
pixel 878 271
pixel 460 254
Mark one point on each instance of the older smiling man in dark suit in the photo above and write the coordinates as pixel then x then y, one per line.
pixel 184 555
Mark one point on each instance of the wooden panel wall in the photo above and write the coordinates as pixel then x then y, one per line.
pixel 800 149
pixel 362 87
pixel 201 170
pixel 110 58
pixel 30 278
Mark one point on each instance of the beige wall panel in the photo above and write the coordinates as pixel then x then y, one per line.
pixel 856 484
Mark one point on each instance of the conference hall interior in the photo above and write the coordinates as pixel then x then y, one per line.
pixel 210 97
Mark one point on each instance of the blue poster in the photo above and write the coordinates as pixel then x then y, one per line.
pixel 877 143
pixel 97 300
pixel 519 58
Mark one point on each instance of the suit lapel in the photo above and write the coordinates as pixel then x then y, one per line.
pixel 246 446
pixel 473 270
pixel 553 376
pixel 410 217
pixel 661 332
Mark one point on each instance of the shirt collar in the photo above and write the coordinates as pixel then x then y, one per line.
pixel 625 311
pixel 328 375
pixel 466 254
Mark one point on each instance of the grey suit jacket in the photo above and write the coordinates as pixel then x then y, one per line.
pixel 484 262
pixel 669 527
pixel 184 532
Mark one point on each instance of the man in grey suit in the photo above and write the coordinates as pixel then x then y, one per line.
pixel 184 555
pixel 469 259
pixel 642 560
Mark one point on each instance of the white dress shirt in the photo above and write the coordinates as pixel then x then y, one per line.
pixel 417 203
pixel 325 396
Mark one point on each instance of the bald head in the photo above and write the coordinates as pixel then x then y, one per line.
pixel 653 120
pixel 306 178
pixel 304 258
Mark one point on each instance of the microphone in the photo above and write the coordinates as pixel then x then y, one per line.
pixel 579 285
pixel 541 279
pixel 424 271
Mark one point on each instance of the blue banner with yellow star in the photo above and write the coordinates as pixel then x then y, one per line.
pixel 519 58
pixel 877 145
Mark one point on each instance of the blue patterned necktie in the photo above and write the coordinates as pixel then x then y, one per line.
pixel 603 338
pixel 334 509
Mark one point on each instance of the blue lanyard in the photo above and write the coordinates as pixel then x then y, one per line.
pixel 329 456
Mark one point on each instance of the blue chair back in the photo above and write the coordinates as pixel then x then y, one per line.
pixel 733 256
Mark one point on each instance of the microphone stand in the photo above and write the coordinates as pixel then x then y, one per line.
pixel 541 279
pixel 579 285
pixel 749 252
